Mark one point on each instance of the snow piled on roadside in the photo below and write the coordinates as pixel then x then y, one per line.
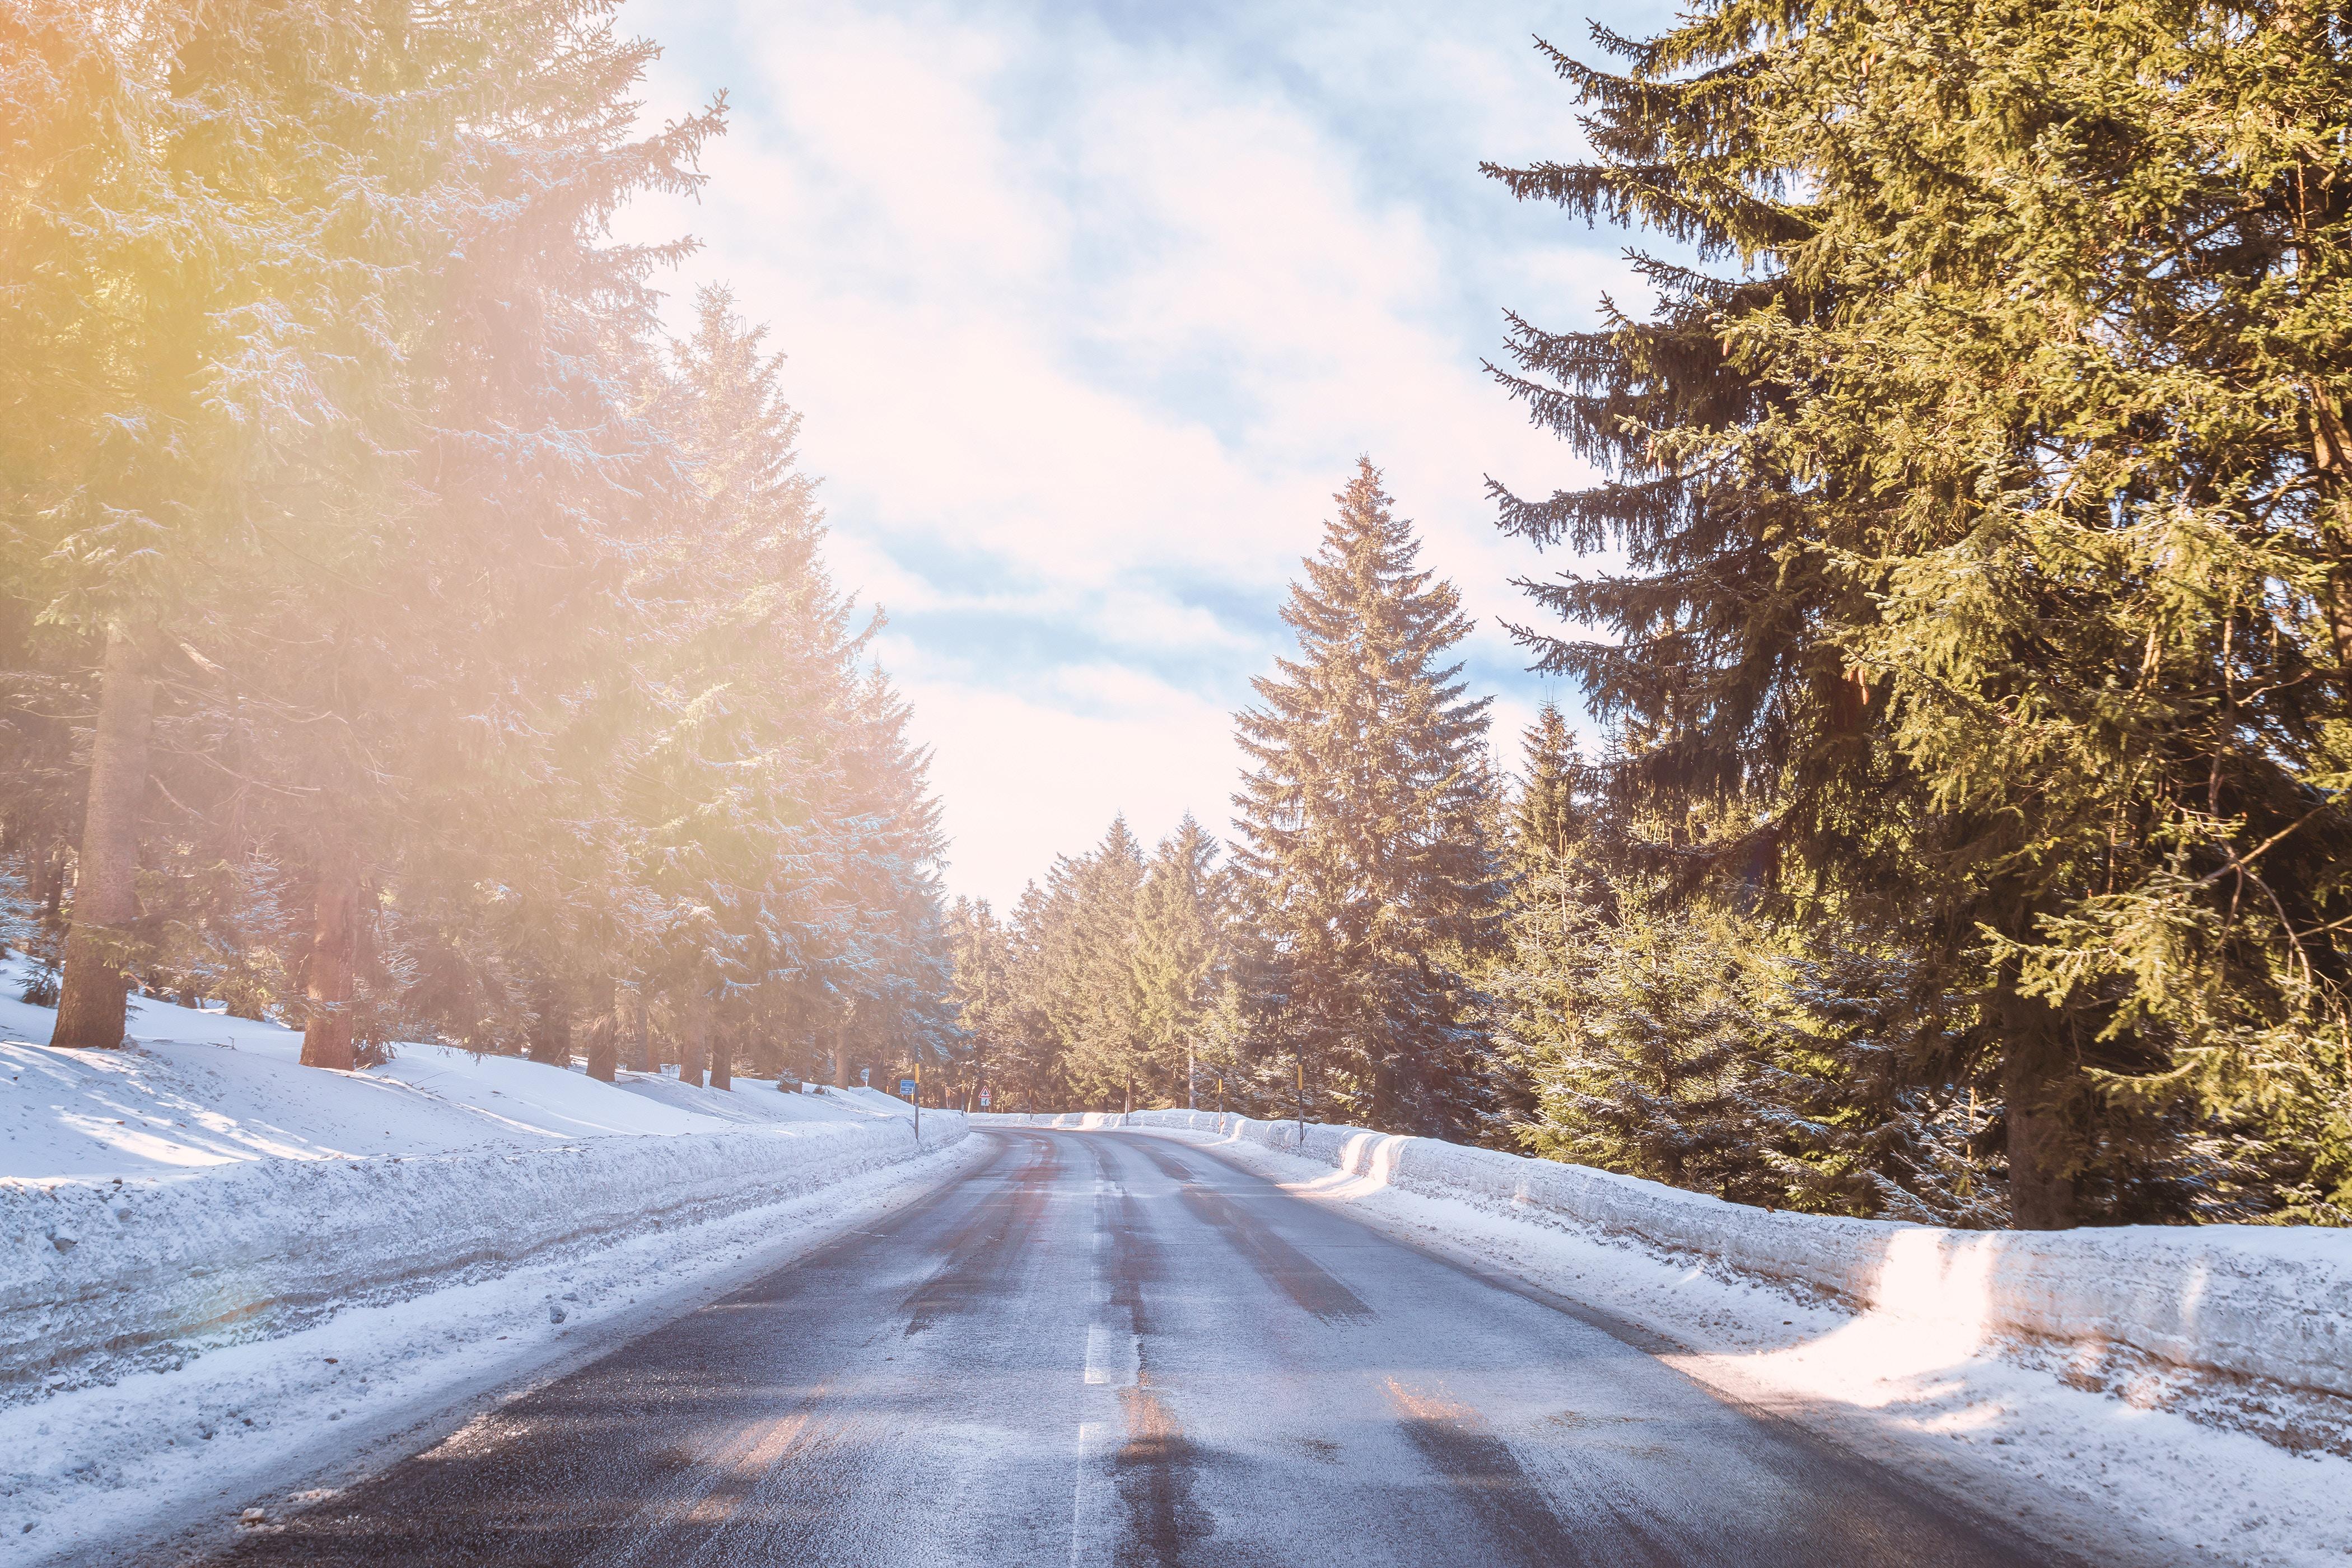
pixel 116 1473
pixel 1972 1419
pixel 211 1257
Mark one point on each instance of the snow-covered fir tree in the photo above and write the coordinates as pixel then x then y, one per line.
pixel 1365 856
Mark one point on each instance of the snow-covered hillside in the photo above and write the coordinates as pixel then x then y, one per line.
pixel 204 1090
pixel 211 1255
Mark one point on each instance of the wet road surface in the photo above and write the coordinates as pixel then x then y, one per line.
pixel 1104 1348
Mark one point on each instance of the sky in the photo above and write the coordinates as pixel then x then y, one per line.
pixel 1089 308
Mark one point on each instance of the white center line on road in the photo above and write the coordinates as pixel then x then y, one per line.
pixel 1099 1353
pixel 1085 1530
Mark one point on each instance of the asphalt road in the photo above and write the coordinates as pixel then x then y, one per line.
pixel 1103 1348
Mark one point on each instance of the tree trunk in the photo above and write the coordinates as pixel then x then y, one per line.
pixel 92 1004
pixel 605 1034
pixel 2339 613
pixel 333 968
pixel 695 1041
pixel 641 1013
pixel 550 1031
pixel 840 1058
pixel 722 1059
pixel 53 887
pixel 2041 1196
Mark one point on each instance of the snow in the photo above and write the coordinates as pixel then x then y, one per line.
pixel 2128 1461
pixel 2273 1303
pixel 202 1088
pixel 118 1471
pixel 192 1225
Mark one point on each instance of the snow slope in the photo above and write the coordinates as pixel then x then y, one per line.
pixel 205 1090
pixel 192 1203
pixel 156 1466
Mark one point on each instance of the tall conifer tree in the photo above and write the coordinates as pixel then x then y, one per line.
pixel 1547 818
pixel 1986 539
pixel 1365 852
pixel 1179 955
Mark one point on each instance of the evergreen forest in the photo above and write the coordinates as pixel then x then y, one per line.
pixel 406 634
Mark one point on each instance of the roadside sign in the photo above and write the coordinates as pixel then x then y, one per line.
pixel 907 1087
pixel 983 1100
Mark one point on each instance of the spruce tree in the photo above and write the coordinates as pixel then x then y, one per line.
pixel 981 955
pixel 1096 1007
pixel 1547 819
pixel 1980 482
pixel 1641 1037
pixel 1180 956
pixel 202 302
pixel 1365 854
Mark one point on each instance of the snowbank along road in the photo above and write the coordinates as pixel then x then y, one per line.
pixel 1120 1349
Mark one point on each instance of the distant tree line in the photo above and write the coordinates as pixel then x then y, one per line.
pixel 399 632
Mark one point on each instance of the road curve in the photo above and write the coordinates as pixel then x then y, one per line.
pixel 1106 1348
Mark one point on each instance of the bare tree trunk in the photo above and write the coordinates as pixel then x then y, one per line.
pixel 692 1048
pixel 333 969
pixel 722 1059
pixel 92 1004
pixel 840 1057
pixel 641 1010
pixel 604 1032
pixel 550 1033
pixel 2041 1197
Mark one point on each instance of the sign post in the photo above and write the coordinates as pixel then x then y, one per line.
pixel 1302 1102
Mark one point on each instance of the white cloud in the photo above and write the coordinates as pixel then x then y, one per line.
pixel 1068 351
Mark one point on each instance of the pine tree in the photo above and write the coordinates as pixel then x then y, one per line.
pixel 1642 1037
pixel 1365 855
pixel 1180 957
pixel 203 292
pixel 1097 1009
pixel 475 641
pixel 981 953
pixel 1548 821
pixel 1985 532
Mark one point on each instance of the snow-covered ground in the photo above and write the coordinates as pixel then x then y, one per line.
pixel 205 1090
pixel 222 1275
pixel 2006 1424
